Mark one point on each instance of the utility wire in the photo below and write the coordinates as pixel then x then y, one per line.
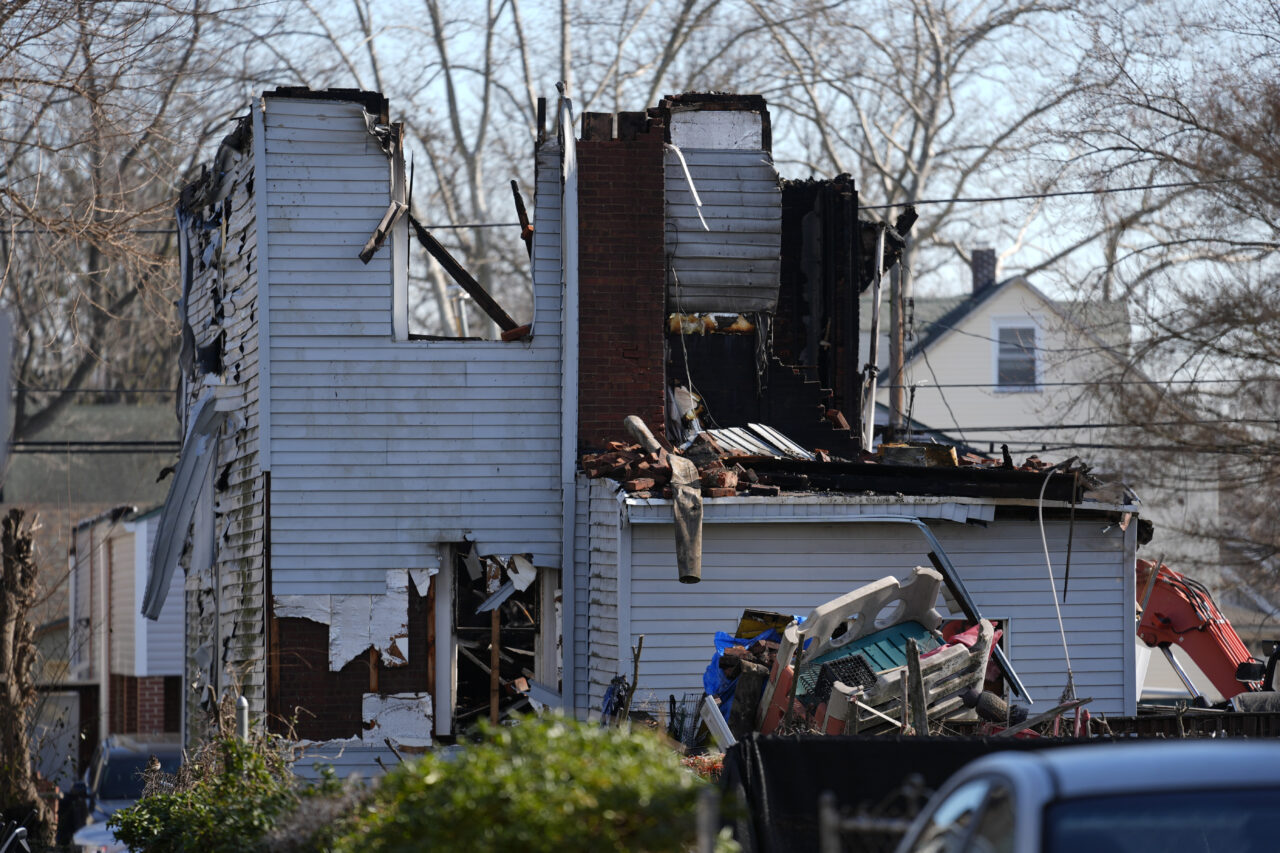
pixel 43 390
pixel 956 200
pixel 1212 422
pixel 1094 383
pixel 461 227
pixel 1060 194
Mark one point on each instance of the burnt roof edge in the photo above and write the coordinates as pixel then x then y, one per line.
pixel 374 103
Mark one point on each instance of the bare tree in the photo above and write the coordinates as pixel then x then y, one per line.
pixel 102 119
pixel 1193 113
pixel 18 591
pixel 920 99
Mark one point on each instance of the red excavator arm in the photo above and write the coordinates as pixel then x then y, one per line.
pixel 1178 612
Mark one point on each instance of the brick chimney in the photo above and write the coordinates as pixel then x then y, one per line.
pixel 621 275
pixel 983 267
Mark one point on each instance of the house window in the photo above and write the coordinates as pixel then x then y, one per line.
pixel 1017 367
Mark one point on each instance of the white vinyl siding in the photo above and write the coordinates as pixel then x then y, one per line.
pixel 224 301
pixel 602 608
pixel 734 266
pixel 582 533
pixel 791 568
pixel 118 551
pixel 161 640
pixel 382 449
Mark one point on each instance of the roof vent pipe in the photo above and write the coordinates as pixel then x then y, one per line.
pixel 983 266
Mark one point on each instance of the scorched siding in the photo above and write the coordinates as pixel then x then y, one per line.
pixel 791 568
pixel 382 449
pixel 223 313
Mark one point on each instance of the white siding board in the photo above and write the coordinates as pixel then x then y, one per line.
pixel 118 551
pixel 164 636
pixel 794 567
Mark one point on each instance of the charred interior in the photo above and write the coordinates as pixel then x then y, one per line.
pixel 497 619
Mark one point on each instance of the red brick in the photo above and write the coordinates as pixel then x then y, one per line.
pixel 622 296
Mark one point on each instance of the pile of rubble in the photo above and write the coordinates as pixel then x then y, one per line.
pixel 649 475
pixel 727 469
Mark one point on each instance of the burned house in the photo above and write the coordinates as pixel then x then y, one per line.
pixel 384 536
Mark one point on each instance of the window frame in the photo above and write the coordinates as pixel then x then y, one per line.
pixel 1018 322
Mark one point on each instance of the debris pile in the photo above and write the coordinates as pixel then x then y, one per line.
pixel 758 461
pixel 645 474
pixel 878 659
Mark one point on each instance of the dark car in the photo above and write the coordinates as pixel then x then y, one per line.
pixel 114 779
pixel 1205 796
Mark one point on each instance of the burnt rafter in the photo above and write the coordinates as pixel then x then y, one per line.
pixel 462 277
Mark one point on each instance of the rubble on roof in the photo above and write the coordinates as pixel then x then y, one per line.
pixel 759 461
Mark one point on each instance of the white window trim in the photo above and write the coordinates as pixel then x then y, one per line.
pixel 1017 321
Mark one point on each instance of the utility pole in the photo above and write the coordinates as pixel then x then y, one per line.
pixel 900 297
pixel 897 329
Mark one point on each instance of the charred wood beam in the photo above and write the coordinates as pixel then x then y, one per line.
pixel 462 277
pixel 910 480
pixel 526 229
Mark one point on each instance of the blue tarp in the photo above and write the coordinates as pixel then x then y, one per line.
pixel 714 681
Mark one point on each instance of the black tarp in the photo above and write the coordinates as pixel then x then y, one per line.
pixel 771 783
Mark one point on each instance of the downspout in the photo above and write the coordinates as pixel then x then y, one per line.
pixel 568 392
pixel 103 630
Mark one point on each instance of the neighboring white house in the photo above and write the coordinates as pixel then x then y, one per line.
pixel 353 502
pixel 136 663
pixel 1006 364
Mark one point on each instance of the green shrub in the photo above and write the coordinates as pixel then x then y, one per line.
pixel 226 800
pixel 549 784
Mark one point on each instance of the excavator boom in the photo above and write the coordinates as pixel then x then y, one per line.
pixel 1178 612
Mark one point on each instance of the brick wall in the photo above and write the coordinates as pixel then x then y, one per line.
pixel 122 704
pixel 151 716
pixel 621 284
pixel 146 705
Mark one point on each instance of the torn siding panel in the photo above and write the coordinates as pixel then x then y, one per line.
pixel 792 568
pixel 405 719
pixel 734 264
pixel 164 637
pixel 383 449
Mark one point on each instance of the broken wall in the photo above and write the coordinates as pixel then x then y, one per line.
pixel 225 569
pixel 383 450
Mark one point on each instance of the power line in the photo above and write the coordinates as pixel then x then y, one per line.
pixel 92 446
pixel 1086 384
pixel 35 389
pixel 1060 194
pixel 460 227
pixel 1215 422
pixel 1026 446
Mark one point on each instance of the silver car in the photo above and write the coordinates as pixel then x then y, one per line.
pixel 1203 796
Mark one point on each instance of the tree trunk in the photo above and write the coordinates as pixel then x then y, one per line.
pixel 18 790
